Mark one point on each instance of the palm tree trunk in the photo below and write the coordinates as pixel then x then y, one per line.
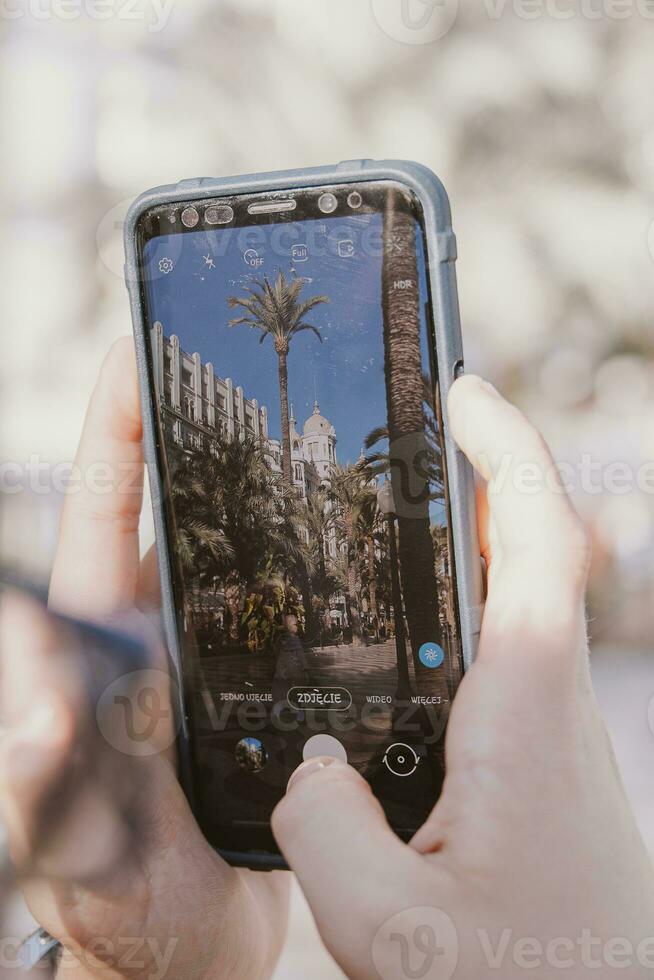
pixel 351 596
pixel 232 599
pixel 307 602
pixel 372 586
pixel 283 412
pixel 406 426
pixel 351 603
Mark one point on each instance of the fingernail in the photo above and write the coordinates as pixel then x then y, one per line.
pixel 310 766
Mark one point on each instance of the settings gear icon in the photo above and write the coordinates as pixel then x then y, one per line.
pixel 165 265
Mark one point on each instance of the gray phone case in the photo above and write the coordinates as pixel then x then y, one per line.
pixel 441 253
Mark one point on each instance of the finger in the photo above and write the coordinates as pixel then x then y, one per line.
pixel 32 757
pixel 534 539
pixel 28 663
pixel 97 563
pixel 329 827
pixel 41 706
pixel 523 702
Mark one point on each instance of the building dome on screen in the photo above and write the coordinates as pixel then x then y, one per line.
pixel 317 424
pixel 319 443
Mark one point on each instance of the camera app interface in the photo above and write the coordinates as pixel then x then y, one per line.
pixel 298 411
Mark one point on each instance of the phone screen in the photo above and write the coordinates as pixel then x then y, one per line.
pixel 295 389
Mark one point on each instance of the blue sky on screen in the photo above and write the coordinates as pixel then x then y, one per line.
pixel 345 372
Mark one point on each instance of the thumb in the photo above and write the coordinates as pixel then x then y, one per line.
pixel 335 837
pixel 534 533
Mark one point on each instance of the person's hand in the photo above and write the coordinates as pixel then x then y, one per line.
pixel 168 905
pixel 530 863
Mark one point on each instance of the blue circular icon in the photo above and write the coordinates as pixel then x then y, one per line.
pixel 431 655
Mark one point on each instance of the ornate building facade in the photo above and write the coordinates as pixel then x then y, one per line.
pixel 197 405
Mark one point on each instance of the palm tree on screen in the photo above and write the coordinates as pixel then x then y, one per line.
pixel 352 496
pixel 276 310
pixel 407 424
pixel 202 545
pixel 233 514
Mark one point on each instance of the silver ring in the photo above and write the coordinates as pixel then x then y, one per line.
pixel 39 946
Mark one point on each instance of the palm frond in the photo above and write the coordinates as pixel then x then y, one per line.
pixel 307 326
pixel 275 308
pixel 381 432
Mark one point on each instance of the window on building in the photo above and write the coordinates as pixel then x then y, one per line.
pixel 298 471
pixel 168 364
pixel 187 377
pixel 222 403
pixel 188 406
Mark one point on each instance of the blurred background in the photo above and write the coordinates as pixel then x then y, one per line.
pixel 540 122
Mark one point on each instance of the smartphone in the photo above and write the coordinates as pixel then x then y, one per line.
pixel 296 336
